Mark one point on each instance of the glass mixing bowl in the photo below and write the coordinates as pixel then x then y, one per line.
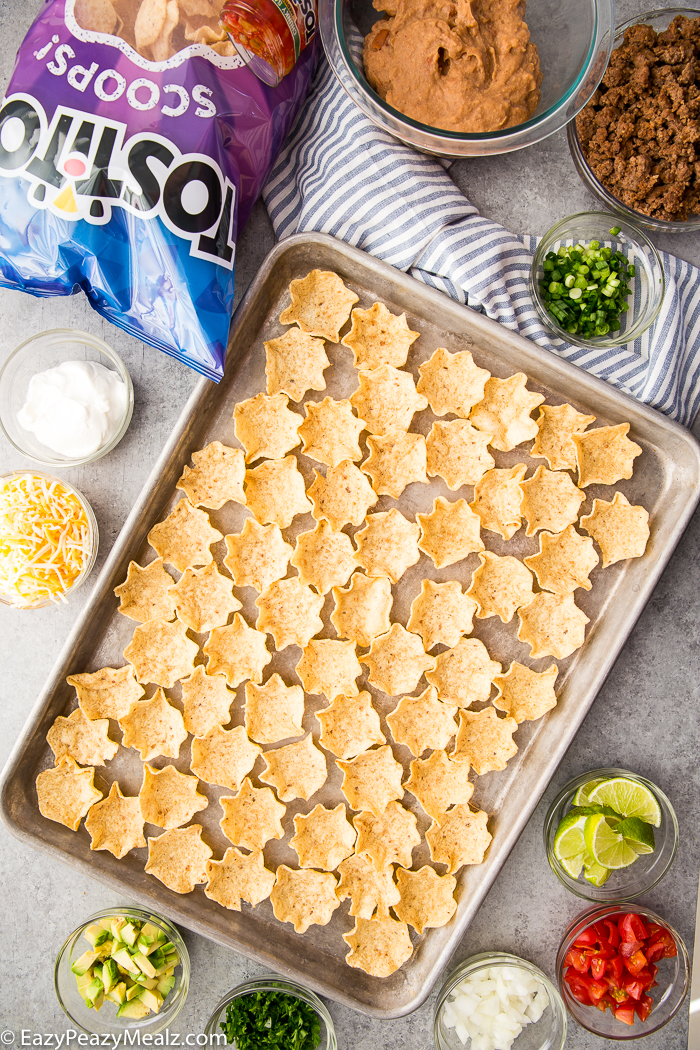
pixel 574 39
pixel 658 20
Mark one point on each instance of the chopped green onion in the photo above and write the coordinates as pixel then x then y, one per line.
pixel 615 231
pixel 585 287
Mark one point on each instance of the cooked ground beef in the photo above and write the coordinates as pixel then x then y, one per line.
pixel 641 130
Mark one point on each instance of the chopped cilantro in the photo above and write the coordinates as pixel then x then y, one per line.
pixel 271 1021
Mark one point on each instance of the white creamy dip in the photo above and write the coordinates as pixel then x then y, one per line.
pixel 74 409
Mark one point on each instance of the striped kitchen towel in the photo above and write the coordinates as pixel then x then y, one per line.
pixel 340 174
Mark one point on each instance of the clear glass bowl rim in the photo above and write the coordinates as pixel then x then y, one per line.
pixel 580 161
pixel 579 781
pixel 136 913
pixel 273 982
pixel 80 336
pixel 94 535
pixel 554 234
pixel 485 959
pixel 586 918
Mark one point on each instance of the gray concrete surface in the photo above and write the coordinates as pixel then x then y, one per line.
pixel 645 717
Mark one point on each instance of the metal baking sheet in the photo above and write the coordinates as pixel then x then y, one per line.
pixel 666 482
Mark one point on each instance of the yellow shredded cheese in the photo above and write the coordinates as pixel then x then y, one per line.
pixel 44 540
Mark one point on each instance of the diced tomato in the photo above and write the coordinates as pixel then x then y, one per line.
pixel 586 939
pixel 625 1013
pixel 670 950
pixel 580 960
pixel 636 962
pixel 643 1007
pixel 632 928
pixel 619 995
pixel 613 933
pixel 634 987
pixel 596 989
pixel 615 968
pixel 578 988
pixel 613 964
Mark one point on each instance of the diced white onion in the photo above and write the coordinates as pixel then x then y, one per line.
pixel 492 1008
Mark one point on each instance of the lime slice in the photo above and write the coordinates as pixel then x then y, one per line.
pixel 581 797
pixel 613 817
pixel 638 834
pixel 569 845
pixel 628 798
pixel 604 845
pixel 596 874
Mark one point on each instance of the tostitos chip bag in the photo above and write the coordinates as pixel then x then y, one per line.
pixel 134 142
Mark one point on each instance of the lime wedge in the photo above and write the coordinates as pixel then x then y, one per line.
pixel 628 798
pixel 581 797
pixel 613 817
pixel 604 845
pixel 638 834
pixel 595 873
pixel 569 845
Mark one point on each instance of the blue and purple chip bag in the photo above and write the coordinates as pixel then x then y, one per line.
pixel 134 142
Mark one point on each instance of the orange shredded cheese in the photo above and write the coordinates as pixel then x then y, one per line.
pixel 45 540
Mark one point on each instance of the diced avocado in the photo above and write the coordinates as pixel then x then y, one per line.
pixel 134 1010
pixel 118 993
pixel 168 948
pixel 146 982
pixel 170 961
pixel 129 933
pixel 153 1000
pixel 150 938
pixel 106 923
pixel 84 982
pixel 96 935
pixel 93 992
pixel 83 964
pixel 165 985
pixel 97 1003
pixel 110 974
pixel 113 997
pixel 145 965
pixel 118 923
pixel 149 930
pixel 133 992
pixel 123 959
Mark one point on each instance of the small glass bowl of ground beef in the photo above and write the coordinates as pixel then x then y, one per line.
pixel 636 144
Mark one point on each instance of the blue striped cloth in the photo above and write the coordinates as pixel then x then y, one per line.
pixel 340 174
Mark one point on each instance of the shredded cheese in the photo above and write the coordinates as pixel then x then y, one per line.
pixel 45 540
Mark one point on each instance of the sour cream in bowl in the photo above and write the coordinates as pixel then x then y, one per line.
pixel 65 398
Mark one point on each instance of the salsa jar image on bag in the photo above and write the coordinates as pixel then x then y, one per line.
pixel 269 35
pixel 134 141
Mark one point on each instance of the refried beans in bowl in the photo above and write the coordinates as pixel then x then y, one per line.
pixel 573 39
pixel 460 65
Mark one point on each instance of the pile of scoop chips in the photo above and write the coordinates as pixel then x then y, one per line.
pixel 435 706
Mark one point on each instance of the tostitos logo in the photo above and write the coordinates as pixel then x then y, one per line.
pixel 79 167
